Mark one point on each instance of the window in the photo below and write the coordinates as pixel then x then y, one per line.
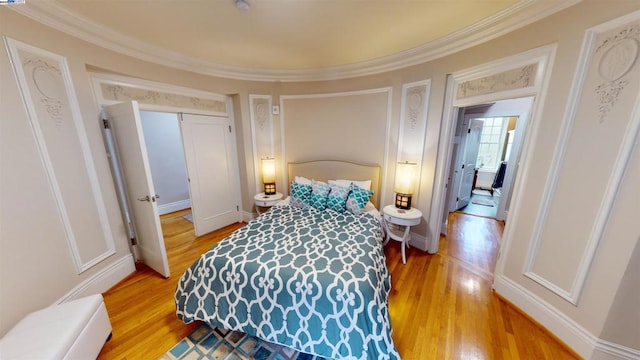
pixel 491 143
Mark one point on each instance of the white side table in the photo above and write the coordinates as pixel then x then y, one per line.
pixel 263 201
pixel 405 219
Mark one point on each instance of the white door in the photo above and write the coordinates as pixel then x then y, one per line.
pixel 126 125
pixel 212 167
pixel 468 167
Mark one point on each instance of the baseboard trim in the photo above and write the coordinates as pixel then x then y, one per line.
pixel 101 281
pixel 418 241
pixel 247 216
pixel 564 328
pixel 174 206
pixel 605 349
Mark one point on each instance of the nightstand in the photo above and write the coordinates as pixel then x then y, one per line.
pixel 398 223
pixel 263 201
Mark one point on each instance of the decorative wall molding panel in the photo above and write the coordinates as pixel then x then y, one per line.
pixel 618 55
pixel 262 133
pixel 54 113
pixel 519 78
pixel 112 89
pixel 597 137
pixel 413 122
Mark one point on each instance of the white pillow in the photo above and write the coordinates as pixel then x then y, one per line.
pixel 365 184
pixel 302 180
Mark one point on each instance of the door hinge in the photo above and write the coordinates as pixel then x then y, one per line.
pixel 105 123
pixel 237 208
pixel 457 199
pixel 468 131
pixel 229 128
pixel 134 241
pixel 463 166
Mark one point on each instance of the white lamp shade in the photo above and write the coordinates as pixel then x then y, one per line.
pixel 405 178
pixel 268 171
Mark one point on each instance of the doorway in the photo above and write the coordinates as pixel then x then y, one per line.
pixel 208 158
pixel 485 157
pixel 516 76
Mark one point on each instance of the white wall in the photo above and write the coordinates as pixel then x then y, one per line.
pixel 624 310
pixel 38 267
pixel 36 263
pixel 166 159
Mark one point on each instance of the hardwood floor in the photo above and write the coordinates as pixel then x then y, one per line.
pixel 441 306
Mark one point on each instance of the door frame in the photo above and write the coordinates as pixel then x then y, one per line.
pixel 520 108
pixel 542 59
pixel 179 98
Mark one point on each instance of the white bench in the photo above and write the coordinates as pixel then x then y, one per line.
pixel 73 330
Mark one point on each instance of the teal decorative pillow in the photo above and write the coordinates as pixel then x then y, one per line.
pixel 337 198
pixel 357 200
pixel 300 195
pixel 319 193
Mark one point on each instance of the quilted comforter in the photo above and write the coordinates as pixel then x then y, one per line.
pixel 315 281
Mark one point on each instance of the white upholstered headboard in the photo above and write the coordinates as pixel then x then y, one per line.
pixel 323 170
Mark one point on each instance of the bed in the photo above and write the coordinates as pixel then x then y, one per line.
pixel 313 280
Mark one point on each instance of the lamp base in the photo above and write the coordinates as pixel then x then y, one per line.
pixel 403 201
pixel 270 189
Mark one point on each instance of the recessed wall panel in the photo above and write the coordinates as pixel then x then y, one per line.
pixel 262 132
pixel 597 138
pixel 59 131
pixel 342 126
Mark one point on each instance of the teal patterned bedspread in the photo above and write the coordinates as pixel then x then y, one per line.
pixel 316 281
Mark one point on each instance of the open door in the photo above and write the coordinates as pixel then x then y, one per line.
pixel 125 123
pixel 468 166
pixel 212 167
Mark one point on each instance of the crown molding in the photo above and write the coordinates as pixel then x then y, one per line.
pixel 522 13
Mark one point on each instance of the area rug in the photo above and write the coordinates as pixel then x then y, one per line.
pixel 206 342
pixel 482 192
pixel 188 217
pixel 481 200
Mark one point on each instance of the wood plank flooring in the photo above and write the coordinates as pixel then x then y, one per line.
pixel 441 306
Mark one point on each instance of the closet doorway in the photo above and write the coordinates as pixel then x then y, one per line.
pixel 176 143
pixel 202 152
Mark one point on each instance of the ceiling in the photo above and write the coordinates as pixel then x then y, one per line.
pixel 289 40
